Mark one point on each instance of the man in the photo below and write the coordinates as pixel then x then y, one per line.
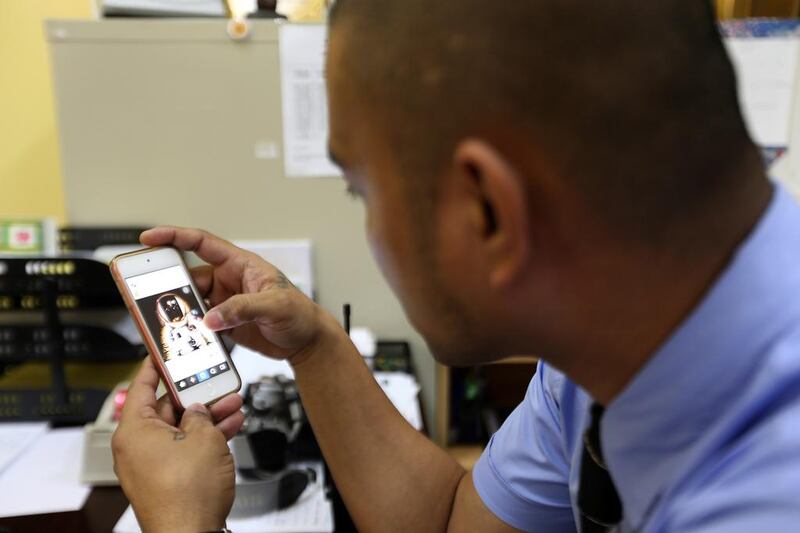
pixel 565 178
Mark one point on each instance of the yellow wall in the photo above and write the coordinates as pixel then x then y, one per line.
pixel 30 175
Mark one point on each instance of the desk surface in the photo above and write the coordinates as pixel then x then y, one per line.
pixel 99 514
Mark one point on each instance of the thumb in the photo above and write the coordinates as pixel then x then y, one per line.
pixel 240 309
pixel 195 417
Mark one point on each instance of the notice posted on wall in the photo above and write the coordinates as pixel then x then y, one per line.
pixel 305 104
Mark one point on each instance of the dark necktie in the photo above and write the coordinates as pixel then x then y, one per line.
pixel 598 501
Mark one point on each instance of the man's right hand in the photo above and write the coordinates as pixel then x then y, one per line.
pixel 254 301
pixel 367 444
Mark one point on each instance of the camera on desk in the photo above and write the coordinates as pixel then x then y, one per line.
pixel 273 420
pixel 275 435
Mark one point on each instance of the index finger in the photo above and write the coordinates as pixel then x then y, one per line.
pixel 142 391
pixel 208 247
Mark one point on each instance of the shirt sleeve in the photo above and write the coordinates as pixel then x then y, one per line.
pixel 523 475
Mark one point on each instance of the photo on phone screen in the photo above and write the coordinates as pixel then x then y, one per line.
pixel 191 352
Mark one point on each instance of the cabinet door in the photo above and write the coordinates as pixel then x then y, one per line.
pixel 757 8
pixel 775 8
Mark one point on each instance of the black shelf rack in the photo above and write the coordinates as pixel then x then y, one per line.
pixel 34 293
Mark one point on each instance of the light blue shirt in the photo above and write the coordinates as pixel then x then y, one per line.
pixel 705 438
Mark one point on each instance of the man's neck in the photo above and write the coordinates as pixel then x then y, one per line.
pixel 631 302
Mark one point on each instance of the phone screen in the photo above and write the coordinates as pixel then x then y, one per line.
pixel 172 313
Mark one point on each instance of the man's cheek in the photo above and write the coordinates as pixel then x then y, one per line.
pixel 380 253
pixel 388 256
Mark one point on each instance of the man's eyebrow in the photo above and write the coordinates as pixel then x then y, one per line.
pixel 337 160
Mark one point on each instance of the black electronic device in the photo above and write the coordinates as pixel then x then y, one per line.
pixel 88 239
pixel 275 433
pixel 393 356
pixel 275 425
pixel 21 343
pixel 49 370
pixel 31 284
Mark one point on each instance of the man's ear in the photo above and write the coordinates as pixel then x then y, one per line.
pixel 504 221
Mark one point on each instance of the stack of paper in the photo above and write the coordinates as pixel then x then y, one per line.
pixel 766 55
pixel 403 391
pixel 312 513
pixel 45 477
pixel 15 438
pixel 767 70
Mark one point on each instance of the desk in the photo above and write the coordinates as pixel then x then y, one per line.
pixel 44 479
pixel 105 506
pixel 101 511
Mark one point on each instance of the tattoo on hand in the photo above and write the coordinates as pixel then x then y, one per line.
pixel 282 282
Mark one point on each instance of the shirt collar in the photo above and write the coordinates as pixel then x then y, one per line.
pixel 664 420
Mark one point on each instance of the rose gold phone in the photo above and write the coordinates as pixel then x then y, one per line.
pixel 168 310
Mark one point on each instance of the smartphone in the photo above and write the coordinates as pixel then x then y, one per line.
pixel 168 310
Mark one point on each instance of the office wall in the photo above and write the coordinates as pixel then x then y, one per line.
pixel 164 121
pixel 30 175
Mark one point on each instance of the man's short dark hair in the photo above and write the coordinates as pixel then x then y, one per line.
pixel 633 101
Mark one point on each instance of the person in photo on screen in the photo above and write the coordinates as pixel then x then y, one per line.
pixel 182 329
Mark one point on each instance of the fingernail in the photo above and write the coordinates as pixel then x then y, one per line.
pixel 214 320
pixel 198 408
